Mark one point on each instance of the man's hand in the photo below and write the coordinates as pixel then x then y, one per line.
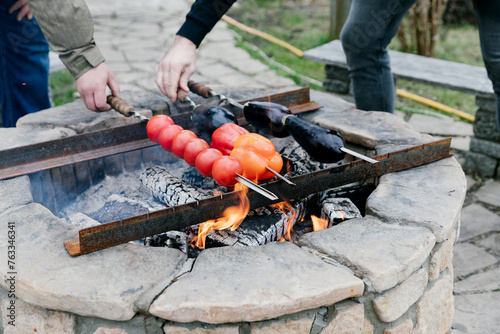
pixel 176 67
pixel 92 87
pixel 25 10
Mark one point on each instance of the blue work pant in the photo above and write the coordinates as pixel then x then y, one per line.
pixel 369 29
pixel 24 67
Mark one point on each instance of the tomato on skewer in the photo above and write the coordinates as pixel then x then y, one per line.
pixel 156 124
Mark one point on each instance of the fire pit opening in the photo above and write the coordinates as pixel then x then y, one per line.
pixel 124 185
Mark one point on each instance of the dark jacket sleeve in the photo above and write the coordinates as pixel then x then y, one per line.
pixel 202 17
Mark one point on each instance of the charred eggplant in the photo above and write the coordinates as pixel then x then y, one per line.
pixel 207 119
pixel 267 116
pixel 321 144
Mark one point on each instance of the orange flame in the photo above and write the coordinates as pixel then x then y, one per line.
pixel 291 214
pixel 232 218
pixel 341 214
pixel 319 223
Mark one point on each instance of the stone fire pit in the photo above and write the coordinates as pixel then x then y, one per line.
pixel 388 272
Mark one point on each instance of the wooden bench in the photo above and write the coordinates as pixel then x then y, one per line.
pixel 484 154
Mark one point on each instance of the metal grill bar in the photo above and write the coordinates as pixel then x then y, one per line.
pixel 133 228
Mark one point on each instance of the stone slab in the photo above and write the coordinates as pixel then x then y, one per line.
pixel 395 252
pixel 477 220
pixel 489 193
pixel 395 302
pixel 32 319
pixel 486 147
pixel 348 317
pixel 237 293
pixel 357 126
pixel 483 282
pixel 295 324
pixel 485 123
pixel 481 164
pixel 477 313
pixel 77 117
pixel 15 192
pixel 431 196
pixel 492 243
pixel 436 303
pixel 440 127
pixel 113 283
pixel 468 258
pixel 17 137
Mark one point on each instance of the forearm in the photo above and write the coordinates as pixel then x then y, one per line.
pixel 202 17
pixel 69 29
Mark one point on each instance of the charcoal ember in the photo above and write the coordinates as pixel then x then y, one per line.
pixel 171 239
pixel 336 210
pixel 194 178
pixel 170 189
pixel 261 226
pixel 299 160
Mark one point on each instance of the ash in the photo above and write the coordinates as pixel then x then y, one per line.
pixel 113 198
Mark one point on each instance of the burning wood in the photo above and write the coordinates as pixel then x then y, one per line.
pixel 261 226
pixel 169 189
pixel 336 210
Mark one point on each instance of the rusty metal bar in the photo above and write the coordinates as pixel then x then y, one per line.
pixel 133 228
pixel 69 150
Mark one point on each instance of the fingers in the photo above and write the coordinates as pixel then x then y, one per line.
pixel 18 4
pixel 92 87
pixel 24 12
pixel 113 85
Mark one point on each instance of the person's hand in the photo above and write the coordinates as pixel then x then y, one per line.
pixel 176 67
pixel 92 87
pixel 25 10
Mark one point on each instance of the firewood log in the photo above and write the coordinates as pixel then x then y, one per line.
pixel 170 189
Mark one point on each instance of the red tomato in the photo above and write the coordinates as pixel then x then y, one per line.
pixel 224 137
pixel 224 170
pixel 205 160
pixel 156 124
pixel 167 135
pixel 193 148
pixel 180 141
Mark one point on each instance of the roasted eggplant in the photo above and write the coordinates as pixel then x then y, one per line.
pixel 267 116
pixel 322 144
pixel 207 118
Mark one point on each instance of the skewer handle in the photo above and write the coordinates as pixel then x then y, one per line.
pixel 119 105
pixel 200 89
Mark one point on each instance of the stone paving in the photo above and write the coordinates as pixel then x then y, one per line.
pixel 134 37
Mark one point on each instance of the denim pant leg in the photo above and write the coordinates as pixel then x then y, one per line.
pixel 24 70
pixel 488 22
pixel 369 28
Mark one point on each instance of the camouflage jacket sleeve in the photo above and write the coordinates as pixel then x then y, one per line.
pixel 69 30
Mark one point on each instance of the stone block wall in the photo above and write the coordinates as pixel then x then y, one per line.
pixel 483 157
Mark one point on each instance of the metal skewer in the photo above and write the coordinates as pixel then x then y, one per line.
pixel 263 191
pixel 281 177
pixel 358 155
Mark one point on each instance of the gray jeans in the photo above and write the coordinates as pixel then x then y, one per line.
pixel 370 27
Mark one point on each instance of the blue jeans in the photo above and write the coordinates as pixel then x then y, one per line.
pixel 24 67
pixel 369 29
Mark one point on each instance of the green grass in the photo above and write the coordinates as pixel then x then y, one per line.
pixel 305 24
pixel 63 87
